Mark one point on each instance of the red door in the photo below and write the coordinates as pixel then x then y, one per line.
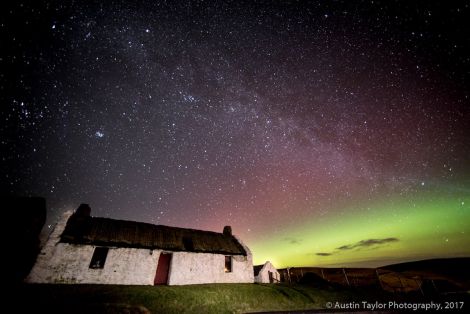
pixel 163 269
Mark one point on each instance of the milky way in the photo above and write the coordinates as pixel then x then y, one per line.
pixel 319 132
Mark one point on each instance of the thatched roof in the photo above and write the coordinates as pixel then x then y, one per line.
pixel 121 233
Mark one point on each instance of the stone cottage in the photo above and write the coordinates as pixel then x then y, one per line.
pixel 266 273
pixel 86 249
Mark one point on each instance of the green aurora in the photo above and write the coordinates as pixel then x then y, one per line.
pixel 427 225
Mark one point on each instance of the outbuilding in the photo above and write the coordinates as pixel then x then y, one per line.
pixel 266 273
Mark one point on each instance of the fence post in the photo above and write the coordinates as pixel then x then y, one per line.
pixel 402 285
pixel 434 285
pixel 419 286
pixel 345 276
pixel 378 278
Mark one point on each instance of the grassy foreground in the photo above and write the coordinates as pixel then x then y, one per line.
pixel 208 298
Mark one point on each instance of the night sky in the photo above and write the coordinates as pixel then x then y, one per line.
pixel 329 133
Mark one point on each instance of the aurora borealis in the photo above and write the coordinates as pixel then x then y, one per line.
pixel 427 225
pixel 325 133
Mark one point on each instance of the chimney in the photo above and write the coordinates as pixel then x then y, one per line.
pixel 227 230
pixel 84 210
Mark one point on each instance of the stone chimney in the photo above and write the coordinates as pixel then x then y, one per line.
pixel 227 230
pixel 84 210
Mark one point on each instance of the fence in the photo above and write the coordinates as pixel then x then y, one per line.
pixel 386 280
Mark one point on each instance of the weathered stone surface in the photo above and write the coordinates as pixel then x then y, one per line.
pixel 198 268
pixel 69 263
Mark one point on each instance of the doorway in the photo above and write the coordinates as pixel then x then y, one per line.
pixel 163 269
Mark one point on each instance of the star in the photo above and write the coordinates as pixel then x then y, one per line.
pixel 288 121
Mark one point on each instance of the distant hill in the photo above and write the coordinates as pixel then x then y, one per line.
pixel 446 275
pixel 449 267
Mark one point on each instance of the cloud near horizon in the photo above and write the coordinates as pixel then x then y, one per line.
pixel 293 240
pixel 367 243
pixel 360 245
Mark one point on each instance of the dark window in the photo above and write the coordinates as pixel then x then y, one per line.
pixel 99 257
pixel 228 264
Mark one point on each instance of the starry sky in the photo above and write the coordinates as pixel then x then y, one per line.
pixel 325 133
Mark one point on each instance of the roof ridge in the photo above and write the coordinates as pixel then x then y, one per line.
pixel 126 233
pixel 155 225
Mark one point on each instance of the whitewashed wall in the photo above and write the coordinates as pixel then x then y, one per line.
pixel 263 276
pixel 196 268
pixel 69 263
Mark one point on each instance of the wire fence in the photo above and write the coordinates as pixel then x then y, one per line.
pixel 383 279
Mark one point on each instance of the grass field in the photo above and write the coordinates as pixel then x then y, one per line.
pixel 208 298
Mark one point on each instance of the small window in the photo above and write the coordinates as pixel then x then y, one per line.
pixel 99 257
pixel 228 264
